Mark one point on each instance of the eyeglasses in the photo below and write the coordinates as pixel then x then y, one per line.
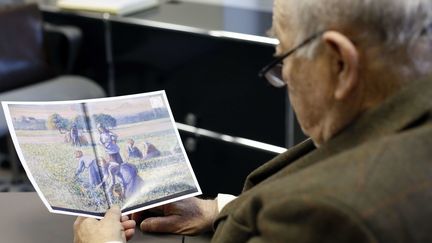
pixel 273 71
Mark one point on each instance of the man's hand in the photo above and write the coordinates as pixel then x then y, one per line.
pixel 191 216
pixel 112 227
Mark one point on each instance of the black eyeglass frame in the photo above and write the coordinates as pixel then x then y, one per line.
pixel 264 71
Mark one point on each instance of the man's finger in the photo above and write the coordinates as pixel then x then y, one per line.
pixel 129 233
pixel 113 213
pixel 140 216
pixel 128 224
pixel 124 218
pixel 167 224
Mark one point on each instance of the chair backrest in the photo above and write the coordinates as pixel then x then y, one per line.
pixel 22 58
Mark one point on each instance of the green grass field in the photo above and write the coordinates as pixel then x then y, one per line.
pixel 53 166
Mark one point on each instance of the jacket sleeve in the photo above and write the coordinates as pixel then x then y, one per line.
pixel 309 221
pixel 80 168
pixel 297 221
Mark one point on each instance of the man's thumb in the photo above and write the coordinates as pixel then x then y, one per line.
pixel 165 224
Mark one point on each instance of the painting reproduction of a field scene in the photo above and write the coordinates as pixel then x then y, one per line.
pixel 84 156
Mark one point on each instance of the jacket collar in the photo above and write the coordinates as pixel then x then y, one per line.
pixel 398 112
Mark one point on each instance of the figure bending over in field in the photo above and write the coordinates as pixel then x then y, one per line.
pixel 110 178
pixel 131 181
pixel 121 181
pixel 88 162
pixel 150 151
pixel 133 151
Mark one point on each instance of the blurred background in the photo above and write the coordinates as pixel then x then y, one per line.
pixel 205 54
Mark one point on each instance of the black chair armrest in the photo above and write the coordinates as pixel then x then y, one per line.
pixel 62 45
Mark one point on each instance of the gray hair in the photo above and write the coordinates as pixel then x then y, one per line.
pixel 395 23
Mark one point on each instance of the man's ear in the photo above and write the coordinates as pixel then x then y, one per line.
pixel 347 61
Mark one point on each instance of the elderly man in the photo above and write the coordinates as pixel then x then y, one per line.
pixel 357 77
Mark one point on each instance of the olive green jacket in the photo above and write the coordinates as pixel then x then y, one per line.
pixel 371 183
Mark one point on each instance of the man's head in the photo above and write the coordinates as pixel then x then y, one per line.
pixel 78 154
pixel 101 161
pixel 130 141
pixel 100 127
pixel 367 51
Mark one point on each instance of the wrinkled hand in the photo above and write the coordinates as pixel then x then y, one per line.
pixel 113 227
pixel 191 216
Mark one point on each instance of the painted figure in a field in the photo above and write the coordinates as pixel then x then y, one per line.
pixel 110 177
pixel 133 151
pixel 109 142
pixel 74 135
pixel 118 193
pixel 132 182
pixel 89 163
pixel 120 180
pixel 150 151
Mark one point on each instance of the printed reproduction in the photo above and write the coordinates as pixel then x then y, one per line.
pixel 84 156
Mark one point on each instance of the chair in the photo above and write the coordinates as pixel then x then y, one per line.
pixel 36 62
